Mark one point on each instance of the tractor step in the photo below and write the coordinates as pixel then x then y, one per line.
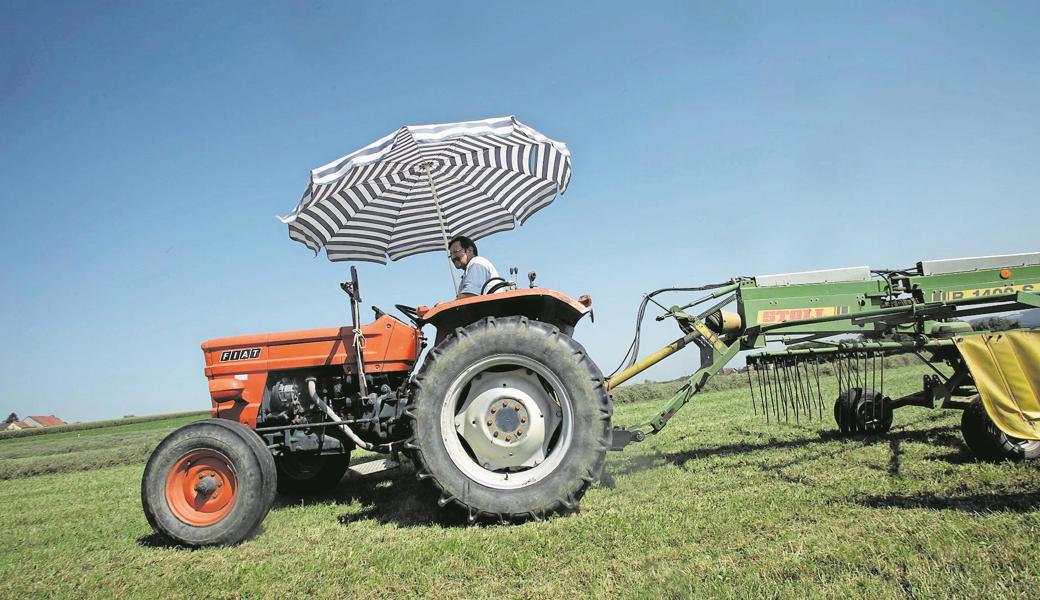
pixel 372 467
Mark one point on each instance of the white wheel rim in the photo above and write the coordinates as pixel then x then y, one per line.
pixel 1028 446
pixel 507 421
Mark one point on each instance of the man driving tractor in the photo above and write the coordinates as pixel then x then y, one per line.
pixel 476 270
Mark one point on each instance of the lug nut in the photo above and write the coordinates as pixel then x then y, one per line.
pixel 508 438
pixel 495 434
pixel 490 422
pixel 523 419
pixel 505 403
pixel 519 432
pixel 493 410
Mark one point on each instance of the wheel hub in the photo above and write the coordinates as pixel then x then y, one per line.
pixel 201 488
pixel 509 418
pixel 207 485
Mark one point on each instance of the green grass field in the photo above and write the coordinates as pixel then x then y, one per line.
pixel 720 504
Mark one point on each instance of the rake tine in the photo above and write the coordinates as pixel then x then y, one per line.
pixel 798 392
pixel 762 389
pixel 873 384
pixel 819 392
pixel 775 381
pixel 754 407
pixel 792 392
pixel 803 376
pixel 810 398
pixel 882 390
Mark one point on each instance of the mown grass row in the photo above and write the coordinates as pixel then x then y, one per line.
pixel 75 427
pixel 720 504
pixel 87 449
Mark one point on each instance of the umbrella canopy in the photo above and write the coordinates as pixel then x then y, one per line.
pixel 412 190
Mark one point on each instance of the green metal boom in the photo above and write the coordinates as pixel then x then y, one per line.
pixel 923 305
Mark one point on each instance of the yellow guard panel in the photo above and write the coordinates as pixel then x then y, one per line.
pixel 1006 368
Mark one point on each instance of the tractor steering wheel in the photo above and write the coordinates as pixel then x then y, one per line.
pixel 409 312
pixel 496 283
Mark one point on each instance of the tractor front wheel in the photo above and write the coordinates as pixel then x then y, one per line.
pixel 987 442
pixel 511 420
pixel 208 483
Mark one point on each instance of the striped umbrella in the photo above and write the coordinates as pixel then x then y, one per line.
pixel 414 189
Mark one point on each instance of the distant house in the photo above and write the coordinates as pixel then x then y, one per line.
pixel 16 425
pixel 43 421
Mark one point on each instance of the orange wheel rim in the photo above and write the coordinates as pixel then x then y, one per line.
pixel 202 487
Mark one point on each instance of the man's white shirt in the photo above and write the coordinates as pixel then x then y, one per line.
pixel 478 271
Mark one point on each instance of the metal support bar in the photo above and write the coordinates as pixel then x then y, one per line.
pixel 652 360
pixel 843 347
pixel 693 385
pixel 321 425
pixel 722 291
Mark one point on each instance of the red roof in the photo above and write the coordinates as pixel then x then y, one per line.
pixel 47 420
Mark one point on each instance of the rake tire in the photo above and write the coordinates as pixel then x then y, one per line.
pixel 862 411
pixel 987 442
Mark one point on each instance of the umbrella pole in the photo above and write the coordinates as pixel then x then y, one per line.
pixel 428 169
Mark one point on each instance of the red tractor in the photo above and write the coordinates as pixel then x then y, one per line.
pixel 508 416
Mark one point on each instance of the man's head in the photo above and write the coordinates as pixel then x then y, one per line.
pixel 461 249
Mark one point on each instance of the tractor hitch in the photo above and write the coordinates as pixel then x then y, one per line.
pixel 621 437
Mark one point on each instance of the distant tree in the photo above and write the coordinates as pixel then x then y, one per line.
pixel 11 418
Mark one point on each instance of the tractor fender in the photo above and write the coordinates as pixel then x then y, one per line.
pixel 540 304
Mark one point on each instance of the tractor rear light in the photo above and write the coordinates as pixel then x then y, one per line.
pixel 1005 273
pixel 226 389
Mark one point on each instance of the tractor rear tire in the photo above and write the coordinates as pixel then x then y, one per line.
pixel 304 474
pixel 987 442
pixel 862 410
pixel 511 420
pixel 209 483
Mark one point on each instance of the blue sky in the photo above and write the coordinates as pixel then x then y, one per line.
pixel 145 149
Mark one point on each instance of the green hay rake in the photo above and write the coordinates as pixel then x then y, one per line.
pixel 801 327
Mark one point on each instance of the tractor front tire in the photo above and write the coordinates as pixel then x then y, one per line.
pixel 511 420
pixel 209 483
pixel 304 474
pixel 987 442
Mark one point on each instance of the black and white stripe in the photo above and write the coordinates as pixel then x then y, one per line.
pixel 376 202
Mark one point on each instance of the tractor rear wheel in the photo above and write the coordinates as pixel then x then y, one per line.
pixel 302 474
pixel 987 442
pixel 208 483
pixel 862 410
pixel 511 420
